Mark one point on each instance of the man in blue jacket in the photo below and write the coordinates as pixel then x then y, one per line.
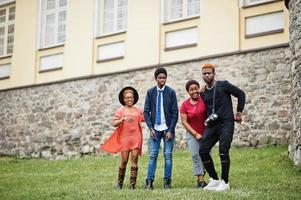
pixel 161 116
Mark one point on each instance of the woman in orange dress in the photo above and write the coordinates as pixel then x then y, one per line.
pixel 127 137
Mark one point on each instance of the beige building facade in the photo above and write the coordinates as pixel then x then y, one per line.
pixel 45 41
pixel 63 61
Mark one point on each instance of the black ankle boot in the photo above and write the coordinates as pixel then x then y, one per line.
pixel 149 184
pixel 167 183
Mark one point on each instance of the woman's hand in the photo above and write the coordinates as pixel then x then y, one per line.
pixel 198 136
pixel 117 121
pixel 128 119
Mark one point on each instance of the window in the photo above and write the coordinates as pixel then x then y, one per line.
pixel 180 9
pixel 53 22
pixel 254 2
pixel 264 24
pixel 111 51
pixel 112 16
pixel 4 71
pixel 181 38
pixel 7 29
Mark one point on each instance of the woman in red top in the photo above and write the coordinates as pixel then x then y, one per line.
pixel 127 138
pixel 193 115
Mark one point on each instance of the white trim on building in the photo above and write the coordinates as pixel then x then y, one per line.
pixel 111 51
pixel 264 24
pixel 5 70
pixel 253 2
pixel 51 62
pixel 181 38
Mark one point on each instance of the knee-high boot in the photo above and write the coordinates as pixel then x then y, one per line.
pixel 133 179
pixel 121 174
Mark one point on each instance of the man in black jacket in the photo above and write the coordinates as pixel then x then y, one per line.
pixel 220 125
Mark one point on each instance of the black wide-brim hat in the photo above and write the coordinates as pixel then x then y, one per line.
pixel 136 95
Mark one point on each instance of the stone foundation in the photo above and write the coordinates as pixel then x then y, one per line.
pixel 70 119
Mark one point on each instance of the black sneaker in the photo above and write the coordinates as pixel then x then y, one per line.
pixel 149 184
pixel 167 184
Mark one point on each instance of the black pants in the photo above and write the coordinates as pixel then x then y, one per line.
pixel 222 132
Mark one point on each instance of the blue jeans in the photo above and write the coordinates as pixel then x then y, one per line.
pixel 154 146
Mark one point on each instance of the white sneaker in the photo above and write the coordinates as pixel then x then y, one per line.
pixel 212 184
pixel 222 186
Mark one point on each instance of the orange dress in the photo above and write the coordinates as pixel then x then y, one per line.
pixel 127 135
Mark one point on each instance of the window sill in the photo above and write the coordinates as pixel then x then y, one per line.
pixel 4 77
pixel 181 20
pixel 259 4
pixel 180 47
pixel 8 3
pixel 51 47
pixel 264 33
pixel 111 34
pixel 7 56
pixel 110 59
pixel 49 70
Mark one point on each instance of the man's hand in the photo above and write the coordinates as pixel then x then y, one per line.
pixel 202 88
pixel 168 136
pixel 153 134
pixel 238 117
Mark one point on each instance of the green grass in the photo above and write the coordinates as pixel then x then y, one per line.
pixel 264 173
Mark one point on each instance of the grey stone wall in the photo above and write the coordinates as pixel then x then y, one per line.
pixel 295 46
pixel 70 119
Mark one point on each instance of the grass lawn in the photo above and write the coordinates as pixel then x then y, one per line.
pixel 264 173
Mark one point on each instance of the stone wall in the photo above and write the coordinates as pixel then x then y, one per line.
pixel 295 46
pixel 72 118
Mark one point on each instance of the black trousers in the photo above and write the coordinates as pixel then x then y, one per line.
pixel 222 132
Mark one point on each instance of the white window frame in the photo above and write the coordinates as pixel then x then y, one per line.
pixel 5 70
pixel 42 24
pixel 99 25
pixel 279 29
pixel 166 11
pixel 247 3
pixel 7 5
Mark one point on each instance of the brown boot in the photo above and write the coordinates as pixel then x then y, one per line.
pixel 121 174
pixel 133 179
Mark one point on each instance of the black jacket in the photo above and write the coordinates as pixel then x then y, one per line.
pixel 223 101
